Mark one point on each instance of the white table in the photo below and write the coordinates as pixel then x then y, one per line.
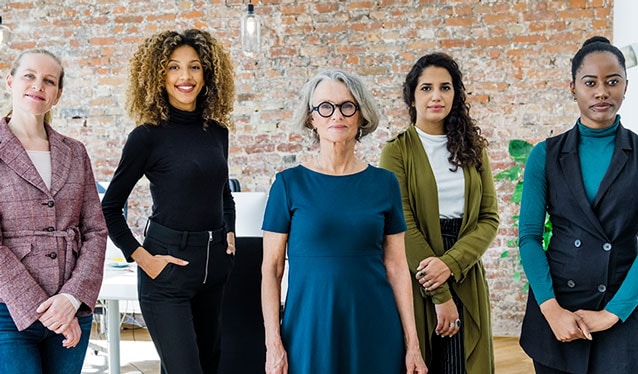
pixel 118 284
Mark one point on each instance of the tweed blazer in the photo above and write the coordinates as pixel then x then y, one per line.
pixel 51 240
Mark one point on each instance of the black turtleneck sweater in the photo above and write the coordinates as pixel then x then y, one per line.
pixel 187 167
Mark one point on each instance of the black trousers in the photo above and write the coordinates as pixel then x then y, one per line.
pixel 182 305
pixel 448 354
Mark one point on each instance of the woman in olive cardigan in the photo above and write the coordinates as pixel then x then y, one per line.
pixel 431 95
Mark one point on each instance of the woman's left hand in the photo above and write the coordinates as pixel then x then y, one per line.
pixel 447 319
pixel 230 239
pixel 57 313
pixel 414 361
pixel 432 272
pixel 597 320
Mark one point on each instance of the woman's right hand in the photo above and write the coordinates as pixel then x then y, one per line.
pixel 154 264
pixel 57 313
pixel 276 359
pixel 566 326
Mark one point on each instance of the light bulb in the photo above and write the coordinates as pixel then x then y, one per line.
pixel 250 32
pixel 250 26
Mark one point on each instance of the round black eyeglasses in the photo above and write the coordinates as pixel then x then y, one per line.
pixel 326 109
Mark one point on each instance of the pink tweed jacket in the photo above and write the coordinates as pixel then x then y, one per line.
pixel 51 240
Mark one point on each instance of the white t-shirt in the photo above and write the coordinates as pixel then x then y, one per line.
pixel 42 162
pixel 450 184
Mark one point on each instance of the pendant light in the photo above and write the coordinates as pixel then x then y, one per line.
pixel 250 31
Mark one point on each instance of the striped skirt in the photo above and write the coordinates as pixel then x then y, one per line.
pixel 448 356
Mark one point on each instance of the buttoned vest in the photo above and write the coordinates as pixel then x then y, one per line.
pixel 591 250
pixel 593 245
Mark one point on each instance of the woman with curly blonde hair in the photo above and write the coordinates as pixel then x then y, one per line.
pixel 181 95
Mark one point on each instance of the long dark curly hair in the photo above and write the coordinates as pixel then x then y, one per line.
pixel 464 139
pixel 146 98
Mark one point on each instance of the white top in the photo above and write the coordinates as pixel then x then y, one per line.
pixel 450 184
pixel 42 162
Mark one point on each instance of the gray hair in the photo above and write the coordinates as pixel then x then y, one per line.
pixel 368 108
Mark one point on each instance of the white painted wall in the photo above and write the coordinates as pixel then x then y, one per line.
pixel 625 33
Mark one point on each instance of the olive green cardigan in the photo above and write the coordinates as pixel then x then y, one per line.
pixel 405 156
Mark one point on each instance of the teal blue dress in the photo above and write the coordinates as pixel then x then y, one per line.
pixel 340 314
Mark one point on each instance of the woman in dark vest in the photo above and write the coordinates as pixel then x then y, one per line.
pixel 581 315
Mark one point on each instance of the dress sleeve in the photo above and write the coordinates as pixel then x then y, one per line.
pixel 532 224
pixel 277 215
pixel 395 222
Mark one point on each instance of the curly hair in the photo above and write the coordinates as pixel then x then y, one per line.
pixel 146 97
pixel 369 112
pixel 464 139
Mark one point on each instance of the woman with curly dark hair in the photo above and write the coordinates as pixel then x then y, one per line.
pixel 450 207
pixel 181 94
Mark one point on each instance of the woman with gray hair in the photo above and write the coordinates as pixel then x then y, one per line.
pixel 348 306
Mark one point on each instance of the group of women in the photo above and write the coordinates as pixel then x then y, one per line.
pixel 385 271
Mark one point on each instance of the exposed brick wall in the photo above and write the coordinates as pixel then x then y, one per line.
pixel 515 56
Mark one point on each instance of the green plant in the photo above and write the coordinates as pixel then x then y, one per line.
pixel 519 151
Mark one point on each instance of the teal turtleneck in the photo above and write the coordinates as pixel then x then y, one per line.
pixel 595 147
